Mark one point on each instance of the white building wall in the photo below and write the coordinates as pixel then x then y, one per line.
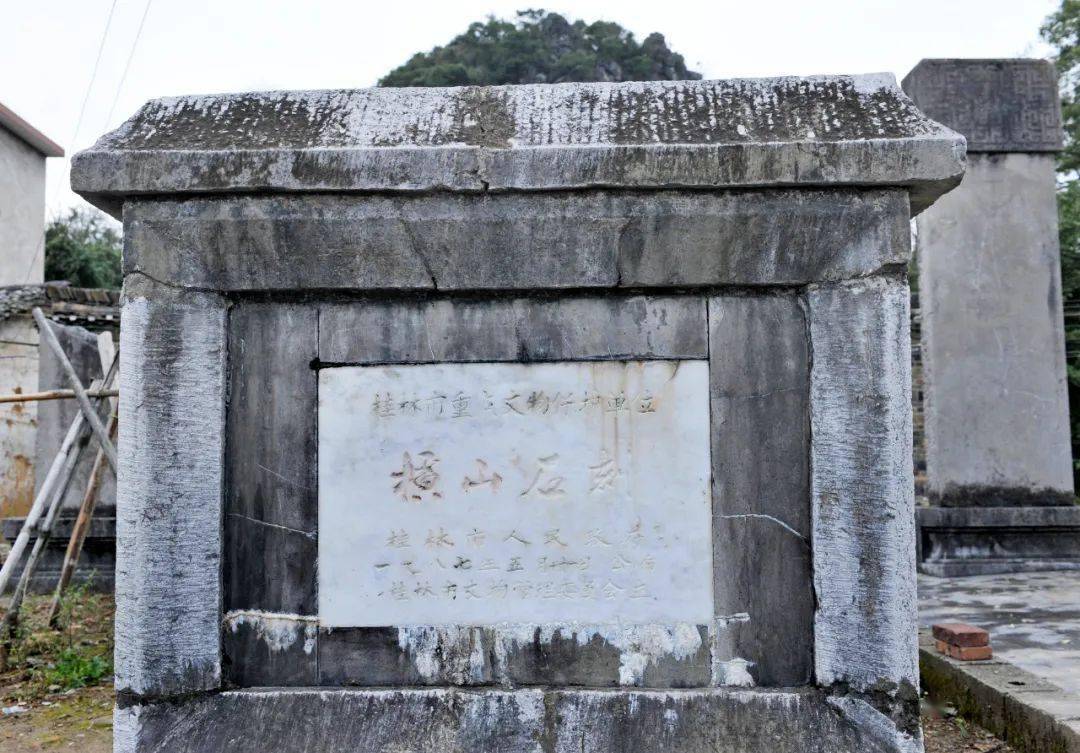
pixel 22 261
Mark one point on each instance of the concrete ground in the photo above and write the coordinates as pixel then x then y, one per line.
pixel 1033 618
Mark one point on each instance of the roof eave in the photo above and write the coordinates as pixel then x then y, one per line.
pixel 26 132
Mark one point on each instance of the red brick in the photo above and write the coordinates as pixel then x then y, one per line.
pixel 964 653
pixel 960 634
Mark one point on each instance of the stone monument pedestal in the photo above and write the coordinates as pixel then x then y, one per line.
pixel 544 418
pixel 998 455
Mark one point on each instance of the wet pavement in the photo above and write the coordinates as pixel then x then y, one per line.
pixel 1033 618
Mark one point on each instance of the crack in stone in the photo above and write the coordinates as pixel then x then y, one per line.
pixel 779 522
pixel 305 534
pixel 415 248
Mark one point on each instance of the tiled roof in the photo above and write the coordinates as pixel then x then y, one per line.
pixel 96 307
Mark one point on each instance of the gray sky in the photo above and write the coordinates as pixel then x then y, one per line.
pixel 47 48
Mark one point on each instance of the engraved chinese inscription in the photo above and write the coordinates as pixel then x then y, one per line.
pixel 999 105
pixel 477 494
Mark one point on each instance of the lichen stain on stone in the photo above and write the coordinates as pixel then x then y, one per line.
pixel 455 654
pixel 698 112
pixel 481 117
pixel 778 110
pixel 458 655
pixel 278 631
pixel 641 646
pixel 241 121
pixel 732 673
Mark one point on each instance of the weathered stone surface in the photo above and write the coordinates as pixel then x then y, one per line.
pixel 520 329
pixel 496 721
pixel 863 491
pixel 1005 105
pixel 654 656
pixel 993 351
pixel 589 239
pixel 984 540
pixel 839 130
pixel 271 499
pixel 169 491
pixel 759 371
pixel 266 649
pixel 1000 517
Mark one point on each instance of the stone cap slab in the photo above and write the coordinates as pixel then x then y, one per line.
pixel 1000 105
pixel 819 131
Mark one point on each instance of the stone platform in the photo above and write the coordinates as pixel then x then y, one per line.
pixel 1033 618
pixel 957 541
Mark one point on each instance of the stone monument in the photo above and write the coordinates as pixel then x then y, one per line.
pixel 529 418
pixel 998 457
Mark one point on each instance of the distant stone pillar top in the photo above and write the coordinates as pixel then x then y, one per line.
pixel 998 105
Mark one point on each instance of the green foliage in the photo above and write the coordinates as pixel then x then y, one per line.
pixel 75 669
pixel 1062 30
pixel 74 666
pixel 83 249
pixel 541 48
pixel 78 653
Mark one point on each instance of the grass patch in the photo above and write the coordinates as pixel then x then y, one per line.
pixel 78 654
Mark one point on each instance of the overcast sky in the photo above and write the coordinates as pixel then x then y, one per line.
pixel 48 48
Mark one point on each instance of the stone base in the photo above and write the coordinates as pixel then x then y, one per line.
pixel 988 540
pixel 980 495
pixel 518 721
pixel 97 564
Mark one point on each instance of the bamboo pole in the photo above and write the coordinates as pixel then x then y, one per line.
pixel 107 352
pixel 45 493
pixel 30 397
pixel 92 417
pixel 79 531
pixel 11 617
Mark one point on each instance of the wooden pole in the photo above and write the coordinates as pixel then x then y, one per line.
pixel 11 616
pixel 78 533
pixel 43 496
pixel 92 417
pixel 107 351
pixel 45 492
pixel 30 397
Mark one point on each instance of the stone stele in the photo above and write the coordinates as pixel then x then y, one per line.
pixel 539 418
pixel 996 401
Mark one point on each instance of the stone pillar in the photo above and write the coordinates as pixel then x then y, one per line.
pixel 542 418
pixel 998 457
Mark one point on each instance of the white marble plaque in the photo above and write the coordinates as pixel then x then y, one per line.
pixel 479 494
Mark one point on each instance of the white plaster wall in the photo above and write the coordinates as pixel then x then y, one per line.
pixel 22 261
pixel 997 410
pixel 22 211
pixel 18 421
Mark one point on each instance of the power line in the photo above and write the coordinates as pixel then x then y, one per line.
pixel 127 65
pixel 93 75
pixel 78 123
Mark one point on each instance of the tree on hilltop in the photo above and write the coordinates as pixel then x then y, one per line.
pixel 542 47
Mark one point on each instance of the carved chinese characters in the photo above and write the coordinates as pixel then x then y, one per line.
pixel 475 494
